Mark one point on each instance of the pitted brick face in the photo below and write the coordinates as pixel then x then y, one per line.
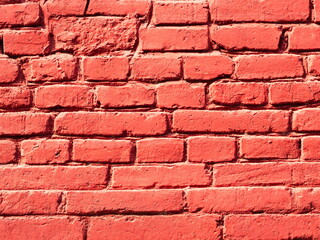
pixel 159 119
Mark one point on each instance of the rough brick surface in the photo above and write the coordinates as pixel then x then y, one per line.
pixel 159 119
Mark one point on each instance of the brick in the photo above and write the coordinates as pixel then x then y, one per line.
pixel 110 123
pixel 246 36
pixel 232 93
pixel 251 174
pixel 268 147
pixel 94 150
pixel 137 95
pixel 207 67
pixel 306 174
pixel 8 70
pixel 83 35
pixel 86 202
pixel 241 121
pixel 180 12
pixel 314 65
pixel 45 151
pixel 64 7
pixel 154 227
pixel 121 8
pixel 25 14
pixel 57 67
pixel 283 226
pixel 41 228
pixel 105 69
pixel 24 123
pixel 28 202
pixel 7 151
pixel 14 97
pixel 211 149
pixel 174 38
pixel 64 96
pixel 306 199
pixel 57 177
pixel 259 11
pixel 26 42
pixel 310 148
pixel 160 176
pixel 240 199
pixel 156 67
pixel 160 150
pixel 316 13
pixel 306 120
pixel 181 95
pixel 298 40
pixel 294 93
pixel 269 66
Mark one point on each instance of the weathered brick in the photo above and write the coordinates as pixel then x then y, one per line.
pixel 211 149
pixel 14 97
pixel 160 150
pixel 94 150
pixel 160 176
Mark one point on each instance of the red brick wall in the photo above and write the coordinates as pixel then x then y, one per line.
pixel 131 119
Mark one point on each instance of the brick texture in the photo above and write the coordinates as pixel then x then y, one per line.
pixel 159 119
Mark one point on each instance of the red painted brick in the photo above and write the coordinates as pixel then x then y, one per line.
pixel 14 97
pixel 115 7
pixel 283 226
pixel 105 69
pixel 160 176
pixel 181 95
pixel 299 41
pixel 64 7
pixel 24 123
pixel 58 177
pixel 314 65
pixel 207 67
pixel 173 227
pixel 64 96
pixel 211 149
pixel 58 67
pixel 316 13
pixel 310 148
pixel 306 199
pixel 156 67
pixel 83 35
pixel 24 14
pixel 306 120
pixel 174 38
pixel 246 36
pixel 110 123
pixel 85 202
pixel 211 200
pixel 41 228
pixel 180 12
pixel 251 174
pixel 160 150
pixel 28 202
pixel 231 93
pixel 94 150
pixel 270 66
pixel 268 147
pixel 126 96
pixel 295 93
pixel 243 121
pixel 26 42
pixel 7 151
pixel 8 70
pixel 259 11
pixel 44 151
pixel 306 174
